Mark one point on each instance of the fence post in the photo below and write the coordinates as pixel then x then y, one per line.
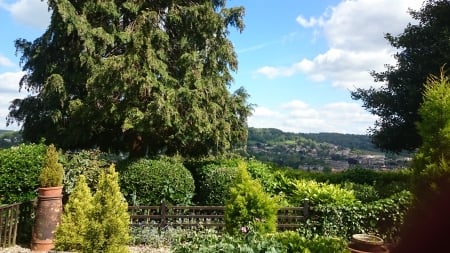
pixel 163 222
pixel 306 208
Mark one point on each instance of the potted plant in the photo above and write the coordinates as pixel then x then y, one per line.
pixel 49 205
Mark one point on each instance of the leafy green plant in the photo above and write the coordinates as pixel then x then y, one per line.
pixel 363 192
pixel 214 183
pixel 383 217
pixel 85 162
pixel 264 174
pixel 71 232
pixel 210 241
pixel 294 243
pixel 319 193
pixel 430 164
pixel 108 229
pixel 152 181
pixel 249 205
pixel 53 172
pixel 20 167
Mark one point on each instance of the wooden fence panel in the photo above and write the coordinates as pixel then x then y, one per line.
pixel 9 220
pixel 289 218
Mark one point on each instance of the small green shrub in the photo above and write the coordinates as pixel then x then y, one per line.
pixel 214 183
pixel 152 181
pixel 363 192
pixel 53 172
pixel 20 167
pixel 108 228
pixel 207 241
pixel 294 243
pixel 383 217
pixel 320 193
pixel 264 174
pixel 71 233
pixel 249 206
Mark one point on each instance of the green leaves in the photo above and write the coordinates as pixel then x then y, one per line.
pixel 108 70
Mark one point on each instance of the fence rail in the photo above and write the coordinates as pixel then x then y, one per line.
pixel 288 218
pixel 9 220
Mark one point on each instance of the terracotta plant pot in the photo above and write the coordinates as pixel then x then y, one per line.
pixel 48 216
pixel 365 243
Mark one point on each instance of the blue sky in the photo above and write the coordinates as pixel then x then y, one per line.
pixel 298 60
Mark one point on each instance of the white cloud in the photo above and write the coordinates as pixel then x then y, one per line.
pixel 299 117
pixel 354 31
pixel 9 90
pixel 4 61
pixel 33 13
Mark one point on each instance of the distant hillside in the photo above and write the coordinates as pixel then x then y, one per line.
pixel 317 151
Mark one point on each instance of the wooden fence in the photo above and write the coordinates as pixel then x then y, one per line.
pixel 9 220
pixel 289 218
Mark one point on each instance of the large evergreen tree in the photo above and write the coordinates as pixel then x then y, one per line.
pixel 424 49
pixel 142 76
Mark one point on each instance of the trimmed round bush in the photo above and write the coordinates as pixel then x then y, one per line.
pixel 20 167
pixel 214 183
pixel 153 181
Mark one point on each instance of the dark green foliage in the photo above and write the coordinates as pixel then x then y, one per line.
pixel 207 241
pixel 383 217
pixel 52 174
pixel 20 167
pixel 140 76
pixel 214 183
pixel 153 181
pixel 249 206
pixel 253 242
pixel 263 172
pixel 423 48
pixel 363 192
pixel 85 162
pixel 295 243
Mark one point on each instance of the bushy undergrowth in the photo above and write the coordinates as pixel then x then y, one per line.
pixel 319 193
pixel 214 183
pixel 284 242
pixel 20 167
pixel 385 183
pixel 153 181
pixel 383 217
pixel 89 162
pixel 249 206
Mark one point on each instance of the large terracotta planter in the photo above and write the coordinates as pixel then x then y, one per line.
pixel 364 243
pixel 48 216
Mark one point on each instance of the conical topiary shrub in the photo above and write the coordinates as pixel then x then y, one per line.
pixel 108 229
pixel 249 207
pixel 71 232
